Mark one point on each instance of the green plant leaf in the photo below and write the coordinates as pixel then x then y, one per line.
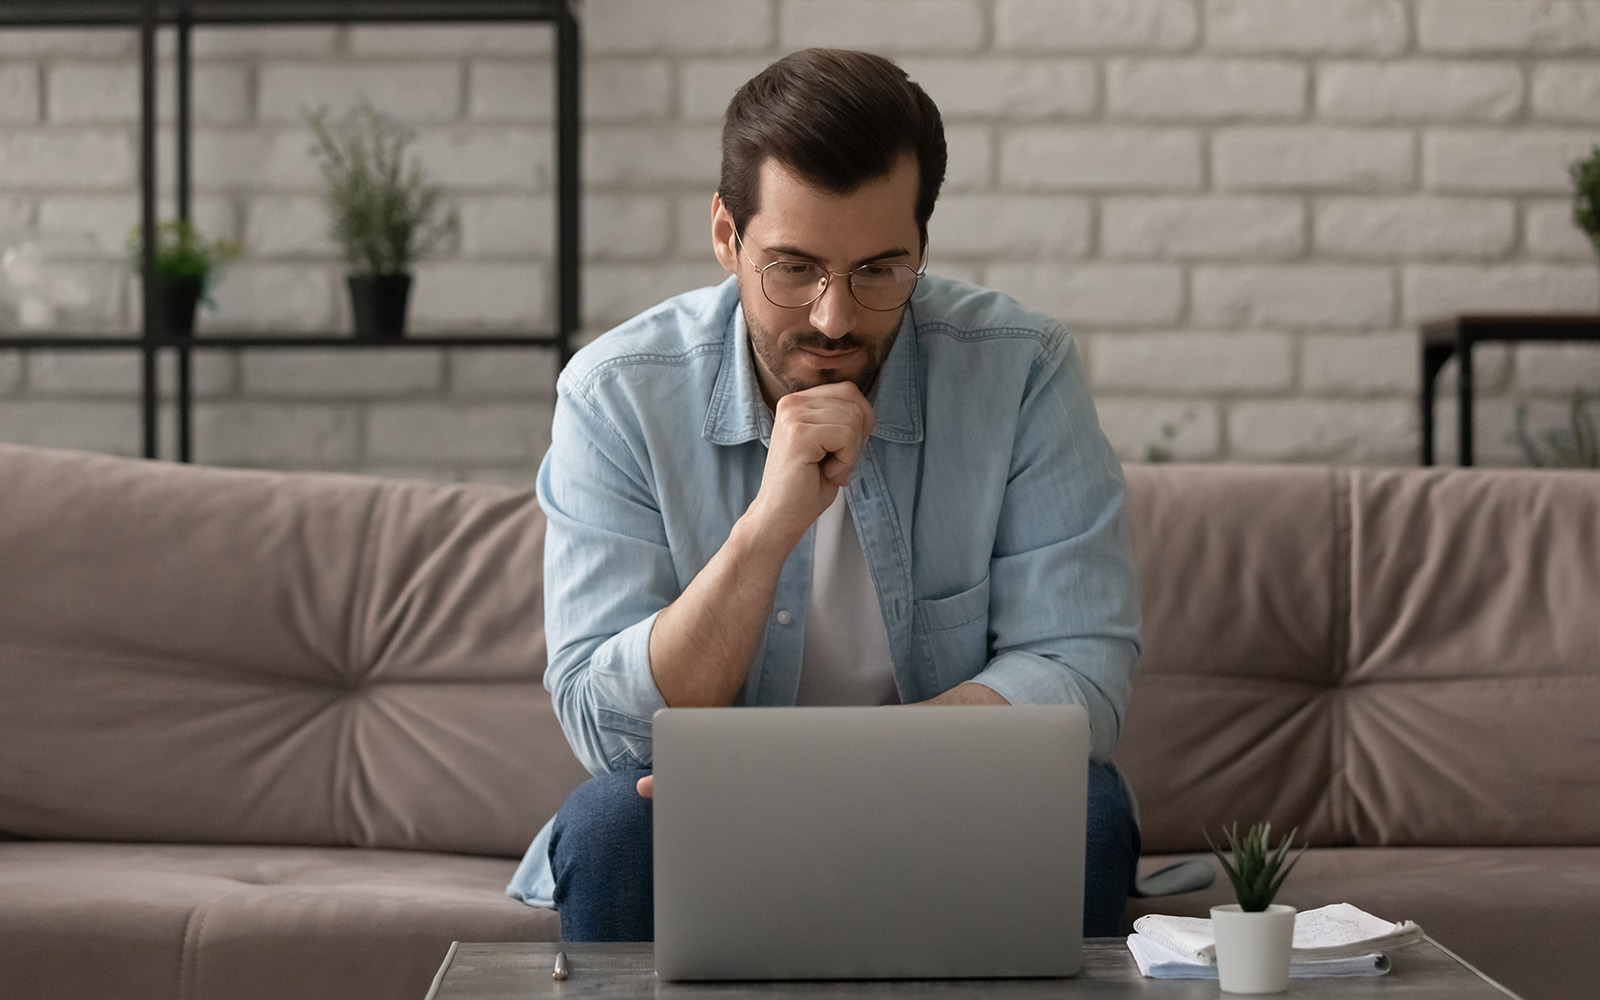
pixel 1257 869
pixel 383 212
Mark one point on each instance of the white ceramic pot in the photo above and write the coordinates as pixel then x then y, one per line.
pixel 1253 948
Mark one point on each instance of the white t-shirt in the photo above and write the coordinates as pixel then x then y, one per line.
pixel 845 659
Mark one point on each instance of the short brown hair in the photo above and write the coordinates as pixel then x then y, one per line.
pixel 837 118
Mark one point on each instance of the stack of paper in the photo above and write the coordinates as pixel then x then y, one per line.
pixel 1334 940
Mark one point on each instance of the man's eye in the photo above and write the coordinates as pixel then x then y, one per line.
pixel 876 272
pixel 793 269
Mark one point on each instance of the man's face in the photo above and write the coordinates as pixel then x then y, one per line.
pixel 834 338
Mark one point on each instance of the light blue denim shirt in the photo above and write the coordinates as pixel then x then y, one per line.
pixel 987 502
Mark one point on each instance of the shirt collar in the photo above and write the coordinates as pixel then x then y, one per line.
pixel 738 414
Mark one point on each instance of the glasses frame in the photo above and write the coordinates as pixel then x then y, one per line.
pixel 827 277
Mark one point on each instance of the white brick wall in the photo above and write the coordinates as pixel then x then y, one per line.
pixel 989 225
pixel 1433 290
pixel 300 434
pixel 1308 27
pixel 686 27
pixel 889 26
pixel 1205 89
pixel 74 158
pixel 1566 93
pixel 1390 228
pixel 19 93
pixel 1361 364
pixel 1359 431
pixel 992 87
pixel 10 372
pixel 503 433
pixel 1218 226
pixel 1549 233
pixel 1314 295
pixel 494 374
pixel 416 91
pixel 1193 363
pixel 1312 158
pixel 1095 25
pixel 344 374
pixel 1190 430
pixel 16 213
pixel 93 93
pixel 1241 208
pixel 111 427
pixel 1418 91
pixel 1532 27
pixel 1096 294
pixel 1099 158
pixel 1530 161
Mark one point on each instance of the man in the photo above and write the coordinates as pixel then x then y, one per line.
pixel 829 480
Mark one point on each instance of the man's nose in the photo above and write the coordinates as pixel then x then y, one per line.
pixel 834 312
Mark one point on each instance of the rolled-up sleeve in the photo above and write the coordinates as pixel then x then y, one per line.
pixel 608 571
pixel 1064 601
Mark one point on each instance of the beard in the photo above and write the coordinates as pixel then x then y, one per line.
pixel 775 350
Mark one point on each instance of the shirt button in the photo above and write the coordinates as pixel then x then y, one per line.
pixel 784 618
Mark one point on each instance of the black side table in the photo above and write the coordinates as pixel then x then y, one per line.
pixel 1442 339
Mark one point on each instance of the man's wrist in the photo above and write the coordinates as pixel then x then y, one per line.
pixel 757 546
pixel 970 693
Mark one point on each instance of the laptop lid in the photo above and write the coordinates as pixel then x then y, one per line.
pixel 864 843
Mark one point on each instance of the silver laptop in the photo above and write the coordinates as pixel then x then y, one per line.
pixel 869 843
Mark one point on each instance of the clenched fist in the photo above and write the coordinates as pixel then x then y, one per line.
pixel 817 436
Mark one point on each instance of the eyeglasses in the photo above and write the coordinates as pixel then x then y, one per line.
pixel 791 284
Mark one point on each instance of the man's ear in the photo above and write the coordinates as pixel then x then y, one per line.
pixel 723 242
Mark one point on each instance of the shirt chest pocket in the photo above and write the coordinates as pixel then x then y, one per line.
pixel 950 635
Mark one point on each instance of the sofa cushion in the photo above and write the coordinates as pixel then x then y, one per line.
pixel 1469 709
pixel 1229 715
pixel 1526 916
pixel 218 656
pixel 1381 657
pixel 90 921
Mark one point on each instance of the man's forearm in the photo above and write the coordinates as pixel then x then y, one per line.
pixel 969 694
pixel 702 644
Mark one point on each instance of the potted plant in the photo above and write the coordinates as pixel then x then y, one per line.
pixel 187 265
pixel 1585 175
pixel 1254 936
pixel 384 212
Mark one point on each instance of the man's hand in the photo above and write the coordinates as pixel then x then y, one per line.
pixel 817 436
pixel 702 643
pixel 647 786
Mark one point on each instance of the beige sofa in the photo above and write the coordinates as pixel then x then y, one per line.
pixel 1403 663
pixel 268 735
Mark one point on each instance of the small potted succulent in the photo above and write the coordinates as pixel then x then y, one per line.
pixel 1254 936
pixel 187 265
pixel 384 212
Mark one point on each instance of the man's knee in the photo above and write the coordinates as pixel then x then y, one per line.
pixel 604 820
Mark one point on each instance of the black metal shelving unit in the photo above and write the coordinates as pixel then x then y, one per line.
pixel 182 17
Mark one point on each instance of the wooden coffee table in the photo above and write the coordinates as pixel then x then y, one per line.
pixel 625 971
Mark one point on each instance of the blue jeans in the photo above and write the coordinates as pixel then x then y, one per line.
pixel 601 855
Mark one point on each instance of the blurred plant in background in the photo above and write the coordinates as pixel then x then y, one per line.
pixel 384 212
pixel 1576 446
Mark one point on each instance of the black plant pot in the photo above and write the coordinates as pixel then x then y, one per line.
pixel 176 300
pixel 378 303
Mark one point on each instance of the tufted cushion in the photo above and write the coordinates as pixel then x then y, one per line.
pixel 205 655
pixel 1381 657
